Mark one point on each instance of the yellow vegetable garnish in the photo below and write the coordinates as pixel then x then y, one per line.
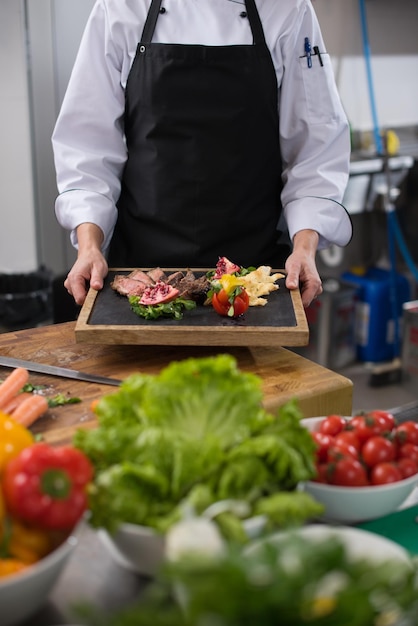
pixel 229 282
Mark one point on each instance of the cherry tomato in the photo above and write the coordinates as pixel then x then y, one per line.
pixel 365 426
pixel 332 425
pixel 407 466
pixel 321 473
pixel 386 417
pixel 378 449
pixel 409 451
pixel 232 305
pixel 323 442
pixel 385 473
pixel 348 472
pixel 407 432
pixel 223 298
pixel 340 450
pixel 348 436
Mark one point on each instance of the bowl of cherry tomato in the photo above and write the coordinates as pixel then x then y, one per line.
pixel 366 464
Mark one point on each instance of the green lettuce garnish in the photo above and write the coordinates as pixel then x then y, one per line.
pixel 173 309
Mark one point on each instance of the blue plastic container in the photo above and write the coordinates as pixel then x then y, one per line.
pixel 374 320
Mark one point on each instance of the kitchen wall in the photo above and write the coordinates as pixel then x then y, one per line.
pixel 33 79
pixel 18 248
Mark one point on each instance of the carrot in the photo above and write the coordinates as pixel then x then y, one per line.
pixel 14 402
pixel 93 405
pixel 12 385
pixel 30 410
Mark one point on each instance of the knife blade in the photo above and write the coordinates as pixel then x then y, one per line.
pixel 53 370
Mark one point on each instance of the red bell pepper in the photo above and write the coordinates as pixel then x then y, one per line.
pixel 47 486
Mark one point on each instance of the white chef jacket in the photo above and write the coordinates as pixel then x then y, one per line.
pixel 88 139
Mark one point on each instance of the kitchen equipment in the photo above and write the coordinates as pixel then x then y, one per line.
pixel 53 370
pixel 375 336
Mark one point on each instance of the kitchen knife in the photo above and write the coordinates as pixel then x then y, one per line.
pixel 53 370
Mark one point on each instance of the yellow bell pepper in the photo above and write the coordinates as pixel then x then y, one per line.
pixel 28 544
pixel 11 566
pixel 229 282
pixel 13 438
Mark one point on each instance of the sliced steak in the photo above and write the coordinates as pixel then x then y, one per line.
pixel 142 276
pixel 157 275
pixel 174 279
pixel 193 288
pixel 127 286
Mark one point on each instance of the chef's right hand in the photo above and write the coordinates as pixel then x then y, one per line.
pixel 91 267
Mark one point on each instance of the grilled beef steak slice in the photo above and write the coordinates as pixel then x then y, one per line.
pixel 157 275
pixel 142 276
pixel 192 288
pixel 174 279
pixel 127 286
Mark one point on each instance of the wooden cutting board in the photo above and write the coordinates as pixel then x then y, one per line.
pixel 284 374
pixel 107 318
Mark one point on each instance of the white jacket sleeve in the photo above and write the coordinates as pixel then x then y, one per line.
pixel 88 139
pixel 314 136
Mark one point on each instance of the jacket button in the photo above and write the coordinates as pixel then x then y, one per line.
pixel 163 10
pixel 243 14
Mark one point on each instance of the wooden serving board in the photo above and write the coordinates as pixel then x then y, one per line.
pixel 107 318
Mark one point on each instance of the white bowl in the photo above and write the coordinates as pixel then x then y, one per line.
pixel 357 504
pixel 360 544
pixel 134 547
pixel 24 593
pixel 142 550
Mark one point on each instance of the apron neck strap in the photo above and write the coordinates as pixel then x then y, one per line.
pixel 253 17
pixel 151 21
pixel 255 22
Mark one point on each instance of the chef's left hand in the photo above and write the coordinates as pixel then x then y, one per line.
pixel 301 267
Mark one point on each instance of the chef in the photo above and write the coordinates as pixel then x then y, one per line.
pixel 194 129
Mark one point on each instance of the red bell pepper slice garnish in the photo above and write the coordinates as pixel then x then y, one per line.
pixel 47 486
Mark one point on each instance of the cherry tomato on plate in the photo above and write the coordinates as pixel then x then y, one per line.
pixel 233 304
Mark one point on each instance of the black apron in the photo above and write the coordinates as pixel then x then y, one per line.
pixel 202 179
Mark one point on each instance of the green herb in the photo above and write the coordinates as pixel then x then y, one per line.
pixel 60 400
pixel 30 388
pixel 173 309
pixel 196 433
